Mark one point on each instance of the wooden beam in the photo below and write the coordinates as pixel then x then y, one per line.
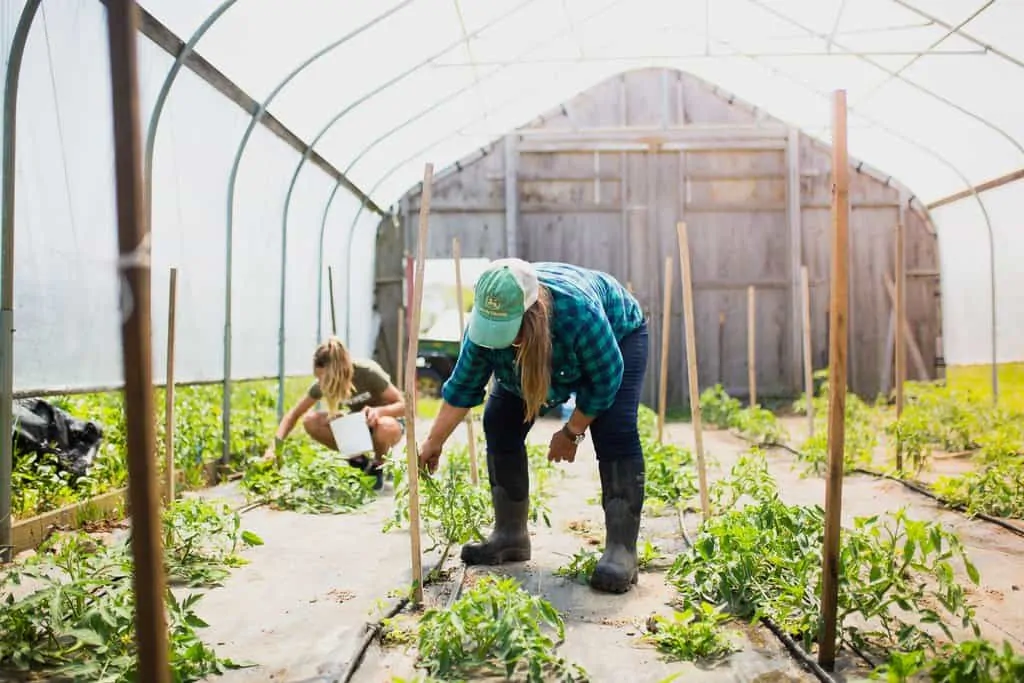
pixel 133 234
pixel 474 475
pixel 837 384
pixel 657 134
pixel 915 350
pixel 805 288
pixel 686 269
pixel 978 189
pixel 666 329
pixel 752 344
pixel 900 344
pixel 511 196
pixel 28 533
pixel 412 453
pixel 794 212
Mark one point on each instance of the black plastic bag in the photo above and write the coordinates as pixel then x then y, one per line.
pixel 42 428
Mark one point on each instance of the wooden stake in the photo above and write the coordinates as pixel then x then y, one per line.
pixel 169 391
pixel 137 359
pixel 666 336
pixel 330 299
pixel 901 351
pixel 805 286
pixel 752 344
pixel 691 365
pixel 474 475
pixel 399 348
pixel 837 383
pixel 629 287
pixel 410 389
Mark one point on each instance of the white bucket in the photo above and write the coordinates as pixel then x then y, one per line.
pixel 351 435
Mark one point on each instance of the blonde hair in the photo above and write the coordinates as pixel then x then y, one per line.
pixel 336 383
pixel 533 354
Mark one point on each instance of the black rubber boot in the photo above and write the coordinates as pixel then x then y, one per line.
pixel 510 493
pixel 622 496
pixel 361 462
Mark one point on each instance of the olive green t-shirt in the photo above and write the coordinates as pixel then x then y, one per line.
pixel 369 382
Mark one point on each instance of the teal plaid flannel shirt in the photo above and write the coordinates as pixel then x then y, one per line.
pixel 592 313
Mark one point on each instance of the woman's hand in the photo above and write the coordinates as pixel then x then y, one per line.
pixel 430 454
pixel 372 416
pixel 562 448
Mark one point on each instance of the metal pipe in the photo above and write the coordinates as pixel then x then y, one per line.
pixel 165 89
pixel 320 265
pixel 28 14
pixel 348 275
pixel 232 180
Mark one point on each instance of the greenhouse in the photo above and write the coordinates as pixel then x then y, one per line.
pixel 541 340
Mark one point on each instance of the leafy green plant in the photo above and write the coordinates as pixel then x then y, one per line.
pixel 765 559
pixel 860 435
pixel 749 476
pixel 694 634
pixel 669 476
pixel 583 562
pixel 760 425
pixel 718 408
pixel 974 661
pixel 997 490
pixel 77 619
pixel 309 480
pixel 201 540
pixel 495 628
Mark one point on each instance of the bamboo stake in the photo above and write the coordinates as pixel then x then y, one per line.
pixel 410 389
pixel 136 333
pixel 399 348
pixel 805 286
pixel 666 329
pixel 901 351
pixel 837 382
pixel 474 475
pixel 721 348
pixel 691 365
pixel 330 299
pixel 169 391
pixel 752 343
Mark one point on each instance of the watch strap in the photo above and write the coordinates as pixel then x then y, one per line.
pixel 575 438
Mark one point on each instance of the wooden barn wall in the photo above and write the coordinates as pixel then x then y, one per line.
pixel 617 211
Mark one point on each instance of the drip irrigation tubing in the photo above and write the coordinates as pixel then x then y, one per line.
pixel 372 630
pixel 791 645
pixel 913 486
pixel 925 491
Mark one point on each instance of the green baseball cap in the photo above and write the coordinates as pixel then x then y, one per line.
pixel 503 293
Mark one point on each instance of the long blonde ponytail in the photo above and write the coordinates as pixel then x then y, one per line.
pixel 533 354
pixel 336 383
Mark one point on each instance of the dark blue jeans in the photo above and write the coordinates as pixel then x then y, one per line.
pixel 614 431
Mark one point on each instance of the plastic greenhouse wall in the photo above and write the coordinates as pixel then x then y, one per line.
pixel 66 292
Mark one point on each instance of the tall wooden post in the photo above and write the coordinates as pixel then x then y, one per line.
pixel 134 271
pixel 666 337
pixel 805 286
pixel 752 344
pixel 400 349
pixel 169 391
pixel 900 338
pixel 410 389
pixel 837 383
pixel 691 365
pixel 474 474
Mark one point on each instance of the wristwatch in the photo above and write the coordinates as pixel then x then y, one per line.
pixel 577 439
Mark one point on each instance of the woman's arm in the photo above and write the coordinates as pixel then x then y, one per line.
pixel 395 406
pixel 291 418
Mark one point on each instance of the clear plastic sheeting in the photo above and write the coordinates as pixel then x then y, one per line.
pixel 935 91
pixel 935 94
pixel 67 296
